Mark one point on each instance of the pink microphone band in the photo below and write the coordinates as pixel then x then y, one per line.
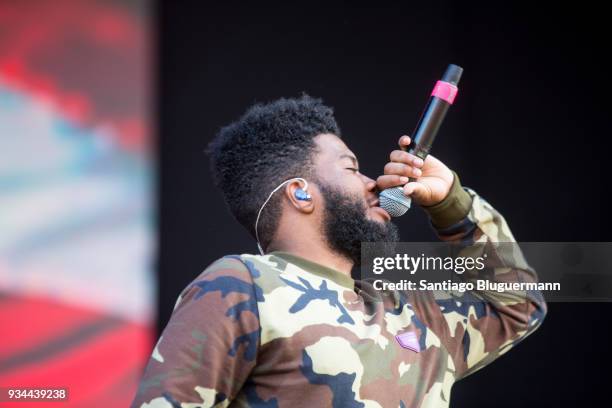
pixel 445 91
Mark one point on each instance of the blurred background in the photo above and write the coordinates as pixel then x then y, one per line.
pixel 77 197
pixel 107 208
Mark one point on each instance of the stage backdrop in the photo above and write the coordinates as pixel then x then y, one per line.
pixel 76 216
pixel 527 132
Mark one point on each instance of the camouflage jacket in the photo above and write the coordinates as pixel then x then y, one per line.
pixel 281 331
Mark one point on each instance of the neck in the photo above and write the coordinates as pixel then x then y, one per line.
pixel 314 250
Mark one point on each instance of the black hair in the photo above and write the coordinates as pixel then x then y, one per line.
pixel 269 144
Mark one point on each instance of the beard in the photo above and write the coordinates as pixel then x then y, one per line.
pixel 346 225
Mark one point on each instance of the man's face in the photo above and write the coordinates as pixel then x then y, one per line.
pixel 351 213
pixel 337 166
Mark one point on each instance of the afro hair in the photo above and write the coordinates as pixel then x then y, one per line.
pixel 269 144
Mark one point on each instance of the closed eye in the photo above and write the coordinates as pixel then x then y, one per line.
pixel 353 169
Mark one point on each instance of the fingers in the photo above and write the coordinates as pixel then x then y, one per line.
pixel 404 142
pixel 417 191
pixel 401 156
pixel 402 170
pixel 390 180
pixel 402 166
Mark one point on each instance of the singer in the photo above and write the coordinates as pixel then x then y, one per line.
pixel 290 327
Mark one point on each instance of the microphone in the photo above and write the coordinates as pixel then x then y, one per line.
pixel 443 95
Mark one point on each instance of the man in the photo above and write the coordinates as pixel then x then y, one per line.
pixel 291 328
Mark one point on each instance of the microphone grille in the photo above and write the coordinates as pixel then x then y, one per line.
pixel 394 201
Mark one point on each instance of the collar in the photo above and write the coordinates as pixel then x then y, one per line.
pixel 317 269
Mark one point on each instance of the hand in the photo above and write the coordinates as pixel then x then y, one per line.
pixel 434 179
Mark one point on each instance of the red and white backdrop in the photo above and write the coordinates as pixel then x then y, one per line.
pixel 77 216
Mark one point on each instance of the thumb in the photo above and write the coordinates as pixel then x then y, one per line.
pixel 417 191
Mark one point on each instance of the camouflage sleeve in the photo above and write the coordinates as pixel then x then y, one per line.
pixel 208 348
pixel 478 326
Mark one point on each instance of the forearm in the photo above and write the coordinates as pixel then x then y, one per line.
pixel 467 220
pixel 501 318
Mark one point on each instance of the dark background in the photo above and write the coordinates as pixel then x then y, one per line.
pixel 527 132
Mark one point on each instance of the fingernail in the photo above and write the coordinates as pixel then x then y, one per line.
pixel 417 172
pixel 418 162
pixel 404 180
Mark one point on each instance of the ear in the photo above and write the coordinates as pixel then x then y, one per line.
pixel 303 206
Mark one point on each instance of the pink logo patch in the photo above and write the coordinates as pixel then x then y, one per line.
pixel 409 340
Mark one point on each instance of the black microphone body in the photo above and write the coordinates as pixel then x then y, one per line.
pixel 393 199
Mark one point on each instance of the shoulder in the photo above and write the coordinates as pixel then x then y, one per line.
pixel 228 274
pixel 229 265
pixel 243 266
pixel 235 273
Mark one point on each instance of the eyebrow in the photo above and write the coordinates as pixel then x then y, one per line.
pixel 352 158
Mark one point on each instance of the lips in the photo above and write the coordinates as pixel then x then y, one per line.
pixel 374 207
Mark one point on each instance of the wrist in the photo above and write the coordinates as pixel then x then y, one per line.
pixel 453 208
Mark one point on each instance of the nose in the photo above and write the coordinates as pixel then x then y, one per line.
pixel 369 184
